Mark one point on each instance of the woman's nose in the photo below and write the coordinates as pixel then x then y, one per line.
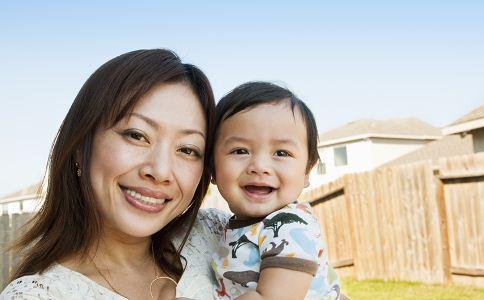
pixel 159 165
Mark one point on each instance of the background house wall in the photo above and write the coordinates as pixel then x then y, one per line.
pixel 384 150
pixel 357 153
pixel 478 139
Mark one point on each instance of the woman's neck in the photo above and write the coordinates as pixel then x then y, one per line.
pixel 113 249
pixel 122 250
pixel 122 264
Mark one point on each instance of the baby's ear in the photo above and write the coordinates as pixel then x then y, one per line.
pixel 306 180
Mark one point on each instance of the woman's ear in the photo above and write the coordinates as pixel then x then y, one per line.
pixel 212 181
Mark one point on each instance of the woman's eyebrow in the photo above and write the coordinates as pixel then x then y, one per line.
pixel 193 131
pixel 156 126
pixel 149 121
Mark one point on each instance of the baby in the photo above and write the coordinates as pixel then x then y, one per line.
pixel 272 248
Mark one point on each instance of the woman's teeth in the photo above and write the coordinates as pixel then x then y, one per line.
pixel 146 199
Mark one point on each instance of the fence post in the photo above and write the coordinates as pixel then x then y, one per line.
pixel 444 235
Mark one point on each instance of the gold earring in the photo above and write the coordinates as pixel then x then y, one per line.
pixel 78 169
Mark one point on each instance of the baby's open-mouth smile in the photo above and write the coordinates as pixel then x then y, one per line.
pixel 258 191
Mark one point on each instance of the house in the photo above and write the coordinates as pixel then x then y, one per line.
pixel 463 136
pixel 366 144
pixel 25 200
pixel 470 124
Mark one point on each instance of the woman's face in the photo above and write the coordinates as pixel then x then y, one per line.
pixel 145 170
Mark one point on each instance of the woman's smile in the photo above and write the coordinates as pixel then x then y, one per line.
pixel 145 199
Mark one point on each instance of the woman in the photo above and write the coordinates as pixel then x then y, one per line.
pixel 126 180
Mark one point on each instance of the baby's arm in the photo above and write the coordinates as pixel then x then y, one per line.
pixel 279 283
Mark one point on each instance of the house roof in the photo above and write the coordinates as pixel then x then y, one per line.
pixel 406 128
pixel 28 191
pixel 450 145
pixel 477 113
pixel 471 121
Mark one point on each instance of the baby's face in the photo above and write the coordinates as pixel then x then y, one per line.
pixel 260 159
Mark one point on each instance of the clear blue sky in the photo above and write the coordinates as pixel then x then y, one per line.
pixel 347 59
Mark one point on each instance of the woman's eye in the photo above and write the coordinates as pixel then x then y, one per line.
pixel 281 153
pixel 136 135
pixel 240 151
pixel 190 152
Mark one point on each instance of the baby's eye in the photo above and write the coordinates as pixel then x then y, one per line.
pixel 239 151
pixel 135 134
pixel 190 152
pixel 281 153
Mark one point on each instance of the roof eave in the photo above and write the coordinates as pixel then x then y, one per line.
pixel 463 127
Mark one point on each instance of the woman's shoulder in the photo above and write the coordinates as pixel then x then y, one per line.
pixel 36 286
pixel 57 282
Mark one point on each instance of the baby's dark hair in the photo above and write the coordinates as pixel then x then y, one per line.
pixel 255 93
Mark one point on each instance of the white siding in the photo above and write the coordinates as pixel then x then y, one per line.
pixel 384 150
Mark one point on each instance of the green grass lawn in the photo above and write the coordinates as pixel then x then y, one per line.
pixel 400 290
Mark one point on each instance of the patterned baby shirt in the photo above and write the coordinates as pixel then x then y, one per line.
pixel 288 238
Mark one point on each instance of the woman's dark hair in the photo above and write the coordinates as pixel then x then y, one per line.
pixel 251 94
pixel 68 223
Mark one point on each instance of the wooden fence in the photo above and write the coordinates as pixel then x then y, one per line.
pixel 10 230
pixel 411 222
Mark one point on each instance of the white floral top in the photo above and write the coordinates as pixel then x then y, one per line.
pixel 59 282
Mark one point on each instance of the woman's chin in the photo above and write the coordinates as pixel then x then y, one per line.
pixel 139 231
pixel 129 225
